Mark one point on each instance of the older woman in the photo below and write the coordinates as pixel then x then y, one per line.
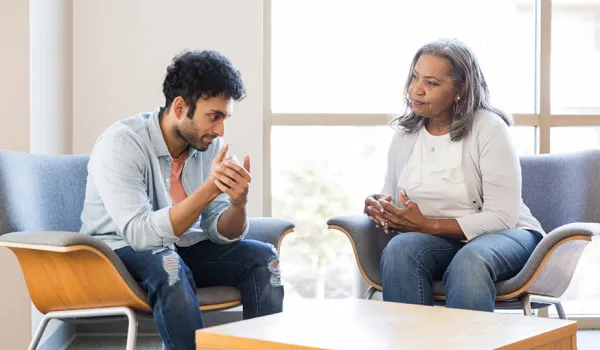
pixel 452 193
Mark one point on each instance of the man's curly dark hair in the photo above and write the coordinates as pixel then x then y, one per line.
pixel 201 74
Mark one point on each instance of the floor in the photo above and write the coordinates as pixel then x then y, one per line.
pixel 586 340
pixel 113 343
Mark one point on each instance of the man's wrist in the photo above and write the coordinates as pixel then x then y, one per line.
pixel 239 206
pixel 211 187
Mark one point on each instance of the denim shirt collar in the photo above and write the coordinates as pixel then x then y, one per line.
pixel 157 139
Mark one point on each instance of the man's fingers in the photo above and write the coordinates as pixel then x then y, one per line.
pixel 221 186
pixel 228 172
pixel 236 194
pixel 237 186
pixel 238 169
pixel 225 180
pixel 221 155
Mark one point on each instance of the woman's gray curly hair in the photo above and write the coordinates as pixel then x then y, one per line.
pixel 466 73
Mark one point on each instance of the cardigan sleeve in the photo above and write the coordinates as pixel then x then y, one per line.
pixel 501 184
pixel 389 186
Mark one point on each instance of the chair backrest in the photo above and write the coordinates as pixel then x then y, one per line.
pixel 562 188
pixel 41 192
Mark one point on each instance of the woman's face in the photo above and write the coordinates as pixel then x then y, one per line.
pixel 432 90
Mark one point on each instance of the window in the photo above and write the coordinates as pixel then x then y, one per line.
pixel 524 139
pixel 350 57
pixel 319 172
pixel 575 56
pixel 336 73
pixel 572 138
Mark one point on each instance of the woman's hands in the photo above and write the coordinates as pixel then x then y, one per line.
pixel 403 220
pixel 374 209
pixel 386 215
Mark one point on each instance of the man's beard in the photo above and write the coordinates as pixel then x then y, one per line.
pixel 196 142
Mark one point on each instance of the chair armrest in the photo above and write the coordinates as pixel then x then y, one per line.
pixel 52 240
pixel 588 229
pixel 368 243
pixel 269 230
pixel 352 223
pixel 550 267
pixel 559 234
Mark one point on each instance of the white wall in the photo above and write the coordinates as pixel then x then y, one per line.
pixel 121 50
pixel 120 53
pixel 14 73
pixel 15 306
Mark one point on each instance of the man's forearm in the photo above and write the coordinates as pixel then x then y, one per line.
pixel 233 221
pixel 185 213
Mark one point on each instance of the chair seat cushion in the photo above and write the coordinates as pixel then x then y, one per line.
pixel 217 295
pixel 502 287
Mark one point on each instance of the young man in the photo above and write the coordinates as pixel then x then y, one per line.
pixel 162 193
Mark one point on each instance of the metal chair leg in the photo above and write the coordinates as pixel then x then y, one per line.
pixel 39 332
pixel 527 305
pixel 543 312
pixel 90 313
pixel 369 293
pixel 560 310
pixel 542 299
pixel 131 329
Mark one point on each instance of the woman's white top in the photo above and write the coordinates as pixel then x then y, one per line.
pixel 434 179
pixel 489 171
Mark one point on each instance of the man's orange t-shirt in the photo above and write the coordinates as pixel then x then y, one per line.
pixel 177 192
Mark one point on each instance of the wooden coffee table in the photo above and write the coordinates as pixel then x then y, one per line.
pixel 369 324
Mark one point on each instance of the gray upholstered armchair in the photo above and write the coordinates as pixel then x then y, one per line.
pixel 563 193
pixel 71 275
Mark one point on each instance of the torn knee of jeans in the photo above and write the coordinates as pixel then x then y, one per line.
pixel 273 265
pixel 171 266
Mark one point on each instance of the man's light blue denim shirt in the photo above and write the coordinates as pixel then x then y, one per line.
pixel 127 194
